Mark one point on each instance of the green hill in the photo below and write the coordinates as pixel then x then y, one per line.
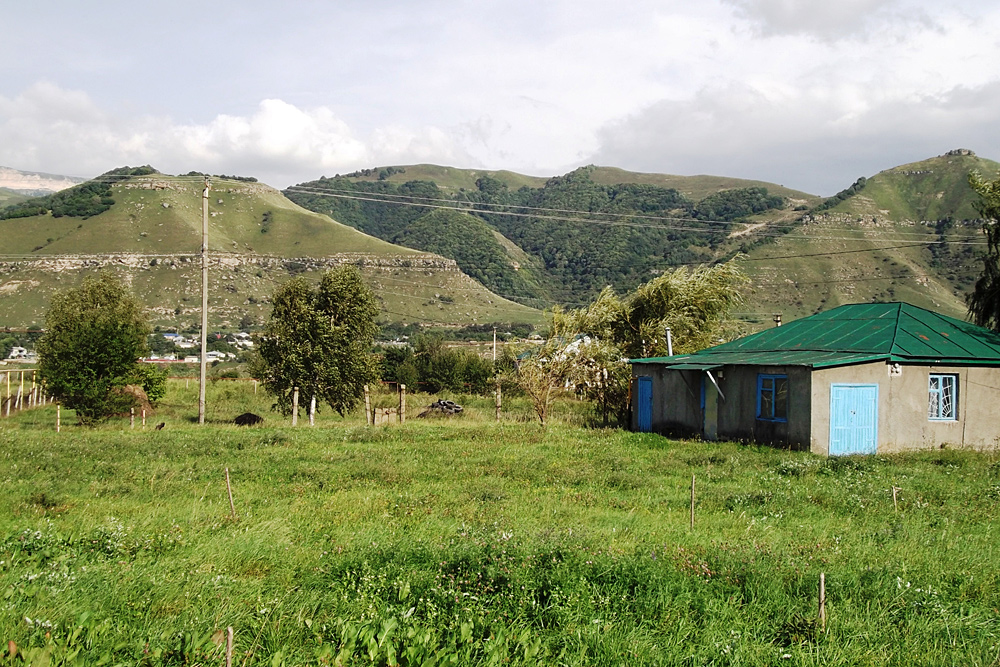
pixel 584 234
pixel 480 251
pixel 8 197
pixel 928 190
pixel 151 233
pixel 906 233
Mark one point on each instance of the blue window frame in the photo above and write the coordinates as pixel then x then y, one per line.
pixel 772 398
pixel 942 397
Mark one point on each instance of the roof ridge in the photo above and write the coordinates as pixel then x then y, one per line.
pixel 895 329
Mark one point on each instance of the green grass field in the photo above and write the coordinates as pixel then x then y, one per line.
pixel 466 541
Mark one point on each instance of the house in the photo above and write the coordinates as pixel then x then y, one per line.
pixel 858 379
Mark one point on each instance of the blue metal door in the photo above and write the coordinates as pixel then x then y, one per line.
pixel 644 403
pixel 853 419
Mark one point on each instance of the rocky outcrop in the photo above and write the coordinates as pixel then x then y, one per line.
pixel 147 262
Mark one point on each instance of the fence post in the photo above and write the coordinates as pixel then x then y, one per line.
pixel 822 602
pixel 692 502
pixel 131 418
pixel 402 403
pixel 368 406
pixel 499 401
pixel 58 417
pixel 312 411
pixel 295 406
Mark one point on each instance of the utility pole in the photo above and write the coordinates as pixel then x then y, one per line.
pixel 204 301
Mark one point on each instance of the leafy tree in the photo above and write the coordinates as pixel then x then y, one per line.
pixel 94 337
pixel 984 301
pixel 589 347
pixel 319 339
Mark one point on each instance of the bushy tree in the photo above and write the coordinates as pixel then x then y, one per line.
pixel 94 338
pixel 590 347
pixel 319 339
pixel 984 301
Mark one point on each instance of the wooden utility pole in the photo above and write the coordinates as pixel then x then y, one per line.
pixel 204 301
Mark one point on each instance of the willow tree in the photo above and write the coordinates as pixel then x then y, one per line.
pixel 319 340
pixel 589 348
pixel 984 301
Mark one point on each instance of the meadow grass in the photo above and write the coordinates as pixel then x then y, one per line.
pixel 465 541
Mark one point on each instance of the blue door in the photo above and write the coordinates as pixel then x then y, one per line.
pixel 853 419
pixel 644 403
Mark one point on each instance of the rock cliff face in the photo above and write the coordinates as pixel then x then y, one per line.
pixel 35 183
pixel 147 262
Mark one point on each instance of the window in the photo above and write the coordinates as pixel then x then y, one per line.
pixel 942 397
pixel 772 398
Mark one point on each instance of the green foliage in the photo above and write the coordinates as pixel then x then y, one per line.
pixel 433 367
pixel 584 235
pixel 473 245
pixel 319 340
pixel 94 338
pixel 736 203
pixel 589 347
pixel 846 193
pixel 152 379
pixel 984 301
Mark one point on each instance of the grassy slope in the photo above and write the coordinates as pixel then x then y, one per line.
pixel 487 543
pixel 805 284
pixel 695 187
pixel 140 223
pixel 9 197
pixel 887 212
pixel 452 179
pixel 927 190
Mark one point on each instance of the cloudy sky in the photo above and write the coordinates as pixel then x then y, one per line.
pixel 810 94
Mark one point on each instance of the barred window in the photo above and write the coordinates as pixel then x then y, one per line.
pixel 942 397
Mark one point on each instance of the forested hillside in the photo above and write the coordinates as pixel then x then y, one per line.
pixel 585 235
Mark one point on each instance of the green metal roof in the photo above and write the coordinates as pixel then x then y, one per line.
pixel 856 333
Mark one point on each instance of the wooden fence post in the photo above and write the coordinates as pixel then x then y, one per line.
pixel 499 401
pixel 692 502
pixel 295 406
pixel 131 418
pixel 368 406
pixel 402 403
pixel 58 416
pixel 312 410
pixel 822 602
pixel 229 489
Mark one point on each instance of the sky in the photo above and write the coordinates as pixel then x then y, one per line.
pixel 810 94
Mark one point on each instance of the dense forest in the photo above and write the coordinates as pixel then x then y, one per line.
pixel 582 235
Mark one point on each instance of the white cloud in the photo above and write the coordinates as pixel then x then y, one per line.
pixel 826 19
pixel 50 128
pixel 819 141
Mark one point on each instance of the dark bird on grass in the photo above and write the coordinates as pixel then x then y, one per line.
pixel 159 427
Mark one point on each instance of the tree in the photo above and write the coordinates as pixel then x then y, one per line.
pixel 319 339
pixel 90 351
pixel 589 347
pixel 984 301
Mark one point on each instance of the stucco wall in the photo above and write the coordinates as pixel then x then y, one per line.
pixel 902 407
